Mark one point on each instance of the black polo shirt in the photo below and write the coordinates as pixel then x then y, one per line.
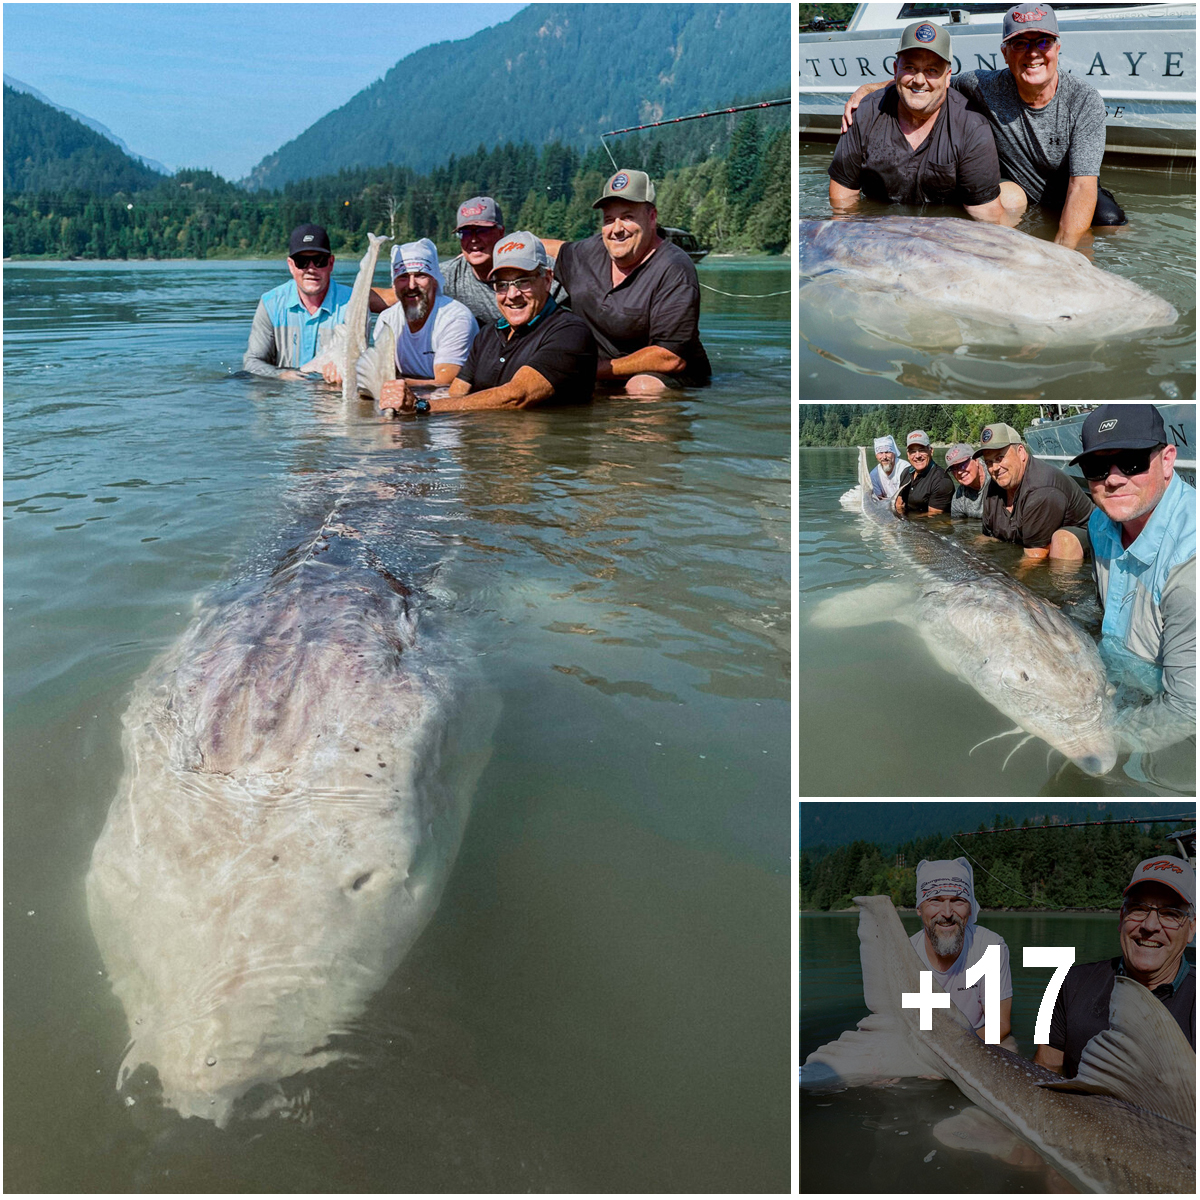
pixel 933 488
pixel 1081 1009
pixel 657 304
pixel 557 344
pixel 955 164
pixel 1046 500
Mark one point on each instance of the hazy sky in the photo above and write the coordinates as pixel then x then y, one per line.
pixel 221 85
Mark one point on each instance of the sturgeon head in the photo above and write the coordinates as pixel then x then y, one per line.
pixel 362 368
pixel 292 802
pixel 1126 1124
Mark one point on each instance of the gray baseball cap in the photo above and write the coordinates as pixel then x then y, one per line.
pixel 479 210
pixel 521 250
pixel 924 35
pixel 919 437
pixel 635 186
pixel 958 454
pixel 1029 16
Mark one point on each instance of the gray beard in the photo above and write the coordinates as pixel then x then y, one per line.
pixel 950 945
pixel 416 310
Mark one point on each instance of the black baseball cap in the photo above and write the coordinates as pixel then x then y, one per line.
pixel 1122 427
pixel 308 237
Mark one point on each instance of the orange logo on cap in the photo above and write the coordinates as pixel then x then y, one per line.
pixel 473 211
pixel 1035 15
pixel 1164 865
pixel 510 246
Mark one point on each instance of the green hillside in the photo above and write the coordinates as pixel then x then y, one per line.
pixel 553 73
pixel 45 150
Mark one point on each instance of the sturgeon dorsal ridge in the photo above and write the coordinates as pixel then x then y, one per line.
pixel 1143 1059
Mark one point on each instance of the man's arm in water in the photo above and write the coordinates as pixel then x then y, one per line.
pixel 261 351
pixel 1078 210
pixel 1051 1059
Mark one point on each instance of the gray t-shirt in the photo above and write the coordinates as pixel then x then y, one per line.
pixel 967 502
pixel 1040 148
pixel 467 288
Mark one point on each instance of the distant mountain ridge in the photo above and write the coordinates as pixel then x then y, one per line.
pixel 45 150
pixel 18 85
pixel 554 72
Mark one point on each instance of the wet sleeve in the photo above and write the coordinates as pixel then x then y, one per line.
pixel 1044 513
pixel 675 310
pixel 967 82
pixel 471 367
pixel 1058 1018
pixel 261 353
pixel 979 164
pixel 1087 135
pixel 1170 716
pixel 846 167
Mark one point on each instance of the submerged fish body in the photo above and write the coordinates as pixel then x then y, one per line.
pixel 1131 1126
pixel 941 280
pixel 297 779
pixel 1015 649
pixel 363 368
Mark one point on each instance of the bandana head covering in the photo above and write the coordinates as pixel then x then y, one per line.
pixel 887 442
pixel 950 877
pixel 417 257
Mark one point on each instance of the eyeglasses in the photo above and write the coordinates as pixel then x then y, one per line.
pixel 962 466
pixel 304 261
pixel 474 231
pixel 1041 44
pixel 524 284
pixel 1168 918
pixel 1128 462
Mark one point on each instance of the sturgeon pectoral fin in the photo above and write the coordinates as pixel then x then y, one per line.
pixel 884 601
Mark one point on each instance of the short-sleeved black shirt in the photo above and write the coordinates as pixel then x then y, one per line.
pixel 558 345
pixel 933 488
pixel 955 164
pixel 1047 500
pixel 1081 1009
pixel 657 304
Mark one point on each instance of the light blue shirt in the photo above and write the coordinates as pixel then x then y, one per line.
pixel 286 335
pixel 1149 596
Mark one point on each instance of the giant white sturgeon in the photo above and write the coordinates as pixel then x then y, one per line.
pixel 1127 1121
pixel 1018 651
pixel 935 281
pixel 298 772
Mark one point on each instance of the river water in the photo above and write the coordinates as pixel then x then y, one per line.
pixel 867 1139
pixel 1157 249
pixel 601 1002
pixel 877 716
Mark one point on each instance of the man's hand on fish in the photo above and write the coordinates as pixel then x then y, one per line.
pixel 332 374
pixel 396 396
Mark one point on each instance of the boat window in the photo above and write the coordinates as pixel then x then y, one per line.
pixel 913 12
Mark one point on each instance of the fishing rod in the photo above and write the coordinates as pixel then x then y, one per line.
pixel 716 112
pixel 1076 824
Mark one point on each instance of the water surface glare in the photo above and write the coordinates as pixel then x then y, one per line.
pixel 601 1002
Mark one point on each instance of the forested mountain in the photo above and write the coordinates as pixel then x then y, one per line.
pixel 103 130
pixel 554 72
pixel 45 150
pixel 859 424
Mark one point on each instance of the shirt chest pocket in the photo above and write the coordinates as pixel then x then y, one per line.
pixel 939 179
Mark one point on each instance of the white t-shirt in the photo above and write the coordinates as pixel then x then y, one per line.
pixel 969 1000
pixel 445 337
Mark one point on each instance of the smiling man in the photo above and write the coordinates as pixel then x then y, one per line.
pixel 1048 126
pixel 1034 505
pixel 433 331
pixel 916 142
pixel 1143 535
pixel 1158 919
pixel 535 352
pixel 638 293
pixel 294 322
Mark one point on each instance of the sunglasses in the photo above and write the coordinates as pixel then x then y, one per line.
pixel 474 231
pixel 1128 462
pixel 1041 44
pixel 304 261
